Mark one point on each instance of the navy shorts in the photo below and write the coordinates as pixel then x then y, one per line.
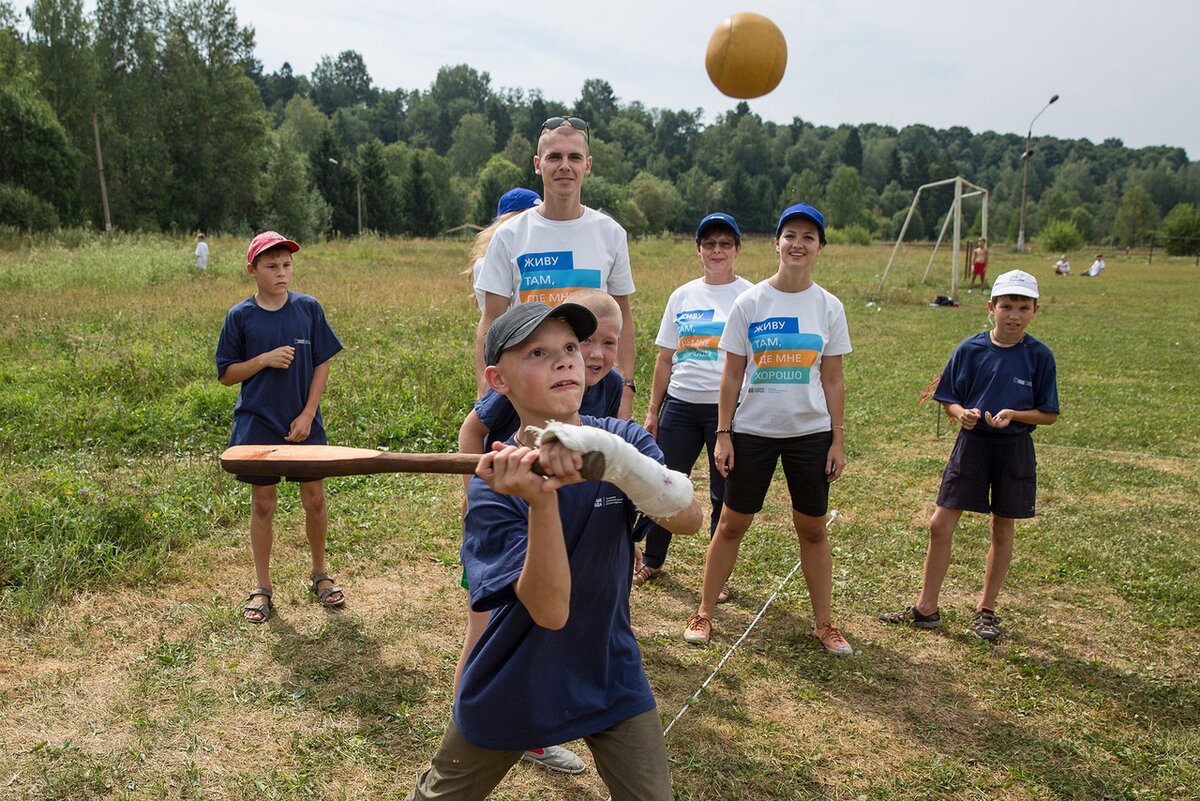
pixel 266 481
pixel 994 473
pixel 803 458
pixel 255 432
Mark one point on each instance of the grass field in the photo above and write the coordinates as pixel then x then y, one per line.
pixel 128 673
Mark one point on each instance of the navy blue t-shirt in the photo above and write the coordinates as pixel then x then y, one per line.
pixel 983 375
pixel 496 411
pixel 523 684
pixel 271 398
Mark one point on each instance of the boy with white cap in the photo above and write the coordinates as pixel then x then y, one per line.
pixel 999 385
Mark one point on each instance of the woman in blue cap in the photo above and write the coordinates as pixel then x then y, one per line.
pixel 682 414
pixel 783 345
pixel 510 204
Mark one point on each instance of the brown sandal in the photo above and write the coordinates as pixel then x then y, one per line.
pixel 263 611
pixel 323 593
pixel 644 574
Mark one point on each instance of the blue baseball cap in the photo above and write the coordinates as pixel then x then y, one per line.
pixel 517 199
pixel 718 218
pixel 802 210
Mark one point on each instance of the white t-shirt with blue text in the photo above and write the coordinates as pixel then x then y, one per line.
pixel 784 336
pixel 531 258
pixel 692 324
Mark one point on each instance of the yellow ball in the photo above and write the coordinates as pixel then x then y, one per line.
pixel 746 56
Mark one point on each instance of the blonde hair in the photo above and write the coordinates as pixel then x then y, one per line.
pixel 545 133
pixel 597 302
pixel 479 247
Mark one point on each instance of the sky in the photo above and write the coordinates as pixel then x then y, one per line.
pixel 1124 70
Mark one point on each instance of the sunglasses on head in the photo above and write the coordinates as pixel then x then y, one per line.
pixel 578 124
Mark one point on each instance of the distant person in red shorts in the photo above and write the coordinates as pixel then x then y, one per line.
pixel 979 260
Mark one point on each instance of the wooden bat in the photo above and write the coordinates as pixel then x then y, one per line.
pixel 323 461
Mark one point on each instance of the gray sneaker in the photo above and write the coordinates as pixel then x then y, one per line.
pixel 555 757
pixel 911 616
pixel 986 625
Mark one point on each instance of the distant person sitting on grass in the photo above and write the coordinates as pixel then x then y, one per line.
pixel 1062 266
pixel 277 345
pixel 1096 268
pixel 999 385
pixel 551 559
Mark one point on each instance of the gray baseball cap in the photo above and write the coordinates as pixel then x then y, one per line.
pixel 515 325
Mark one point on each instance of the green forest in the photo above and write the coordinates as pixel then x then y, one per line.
pixel 195 136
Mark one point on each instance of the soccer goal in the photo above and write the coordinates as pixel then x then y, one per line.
pixel 955 216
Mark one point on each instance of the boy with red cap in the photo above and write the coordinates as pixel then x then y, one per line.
pixel 277 345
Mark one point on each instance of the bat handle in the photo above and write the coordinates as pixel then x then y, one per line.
pixel 592 470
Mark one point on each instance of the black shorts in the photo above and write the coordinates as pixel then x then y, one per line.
pixel 1002 465
pixel 803 458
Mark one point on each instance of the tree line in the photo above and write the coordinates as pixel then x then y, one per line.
pixel 196 136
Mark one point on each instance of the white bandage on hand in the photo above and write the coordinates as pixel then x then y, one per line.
pixel 656 490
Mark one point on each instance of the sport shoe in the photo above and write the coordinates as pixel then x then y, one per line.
pixel 986 625
pixel 725 594
pixel 911 616
pixel 831 637
pixel 698 629
pixel 555 757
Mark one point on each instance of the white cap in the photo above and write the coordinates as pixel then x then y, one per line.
pixel 1015 282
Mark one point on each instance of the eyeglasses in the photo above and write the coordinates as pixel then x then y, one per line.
pixel 713 244
pixel 554 123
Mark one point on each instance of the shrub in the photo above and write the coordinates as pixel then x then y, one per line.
pixel 916 226
pixel 1183 221
pixel 849 235
pixel 1061 235
pixel 24 210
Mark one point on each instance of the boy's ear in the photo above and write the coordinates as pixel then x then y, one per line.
pixel 495 380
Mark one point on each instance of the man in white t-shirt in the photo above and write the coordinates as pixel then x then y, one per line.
pixel 558 247
pixel 1096 268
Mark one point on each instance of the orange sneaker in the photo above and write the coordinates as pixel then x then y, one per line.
pixel 831 637
pixel 698 629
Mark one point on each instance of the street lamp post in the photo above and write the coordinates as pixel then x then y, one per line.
pixel 1025 181
pixel 118 68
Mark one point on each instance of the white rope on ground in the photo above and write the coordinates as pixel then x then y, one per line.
pixel 833 515
pixel 695 696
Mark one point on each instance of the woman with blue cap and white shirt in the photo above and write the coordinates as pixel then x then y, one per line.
pixel 783 345
pixel 682 413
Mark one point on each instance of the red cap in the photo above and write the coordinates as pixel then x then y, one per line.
pixel 265 241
